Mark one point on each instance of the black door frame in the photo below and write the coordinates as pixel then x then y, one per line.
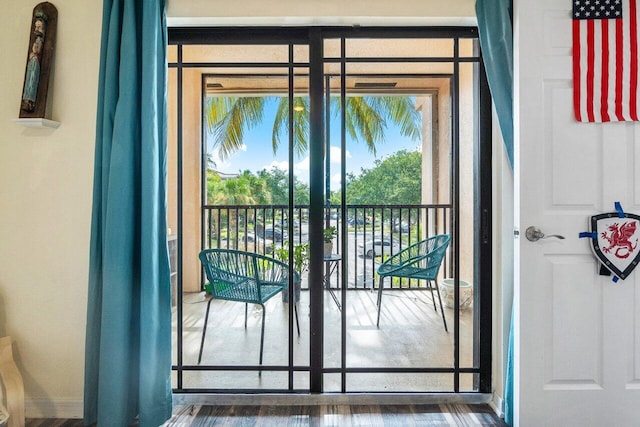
pixel 314 37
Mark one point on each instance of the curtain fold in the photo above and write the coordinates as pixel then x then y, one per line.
pixel 496 40
pixel 128 337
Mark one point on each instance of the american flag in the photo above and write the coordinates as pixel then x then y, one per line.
pixel 605 60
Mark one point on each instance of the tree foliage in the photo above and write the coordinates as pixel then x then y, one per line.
pixel 267 187
pixel 367 119
pixel 394 180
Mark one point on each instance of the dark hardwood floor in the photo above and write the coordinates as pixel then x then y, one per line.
pixel 320 416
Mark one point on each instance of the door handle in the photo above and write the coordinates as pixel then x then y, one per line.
pixel 534 234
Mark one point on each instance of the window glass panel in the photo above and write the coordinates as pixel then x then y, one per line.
pixel 172 53
pixel 235 53
pixel 390 68
pixel 399 48
pixel 467 47
pixel 331 48
pixel 399 382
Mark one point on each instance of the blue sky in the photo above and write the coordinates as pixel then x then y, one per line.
pixel 257 153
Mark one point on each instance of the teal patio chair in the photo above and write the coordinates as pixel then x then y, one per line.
pixel 244 277
pixel 421 261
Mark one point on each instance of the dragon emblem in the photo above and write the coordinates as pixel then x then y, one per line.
pixel 619 239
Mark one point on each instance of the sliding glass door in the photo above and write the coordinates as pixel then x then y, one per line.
pixel 333 151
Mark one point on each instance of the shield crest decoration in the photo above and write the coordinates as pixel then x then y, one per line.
pixel 617 243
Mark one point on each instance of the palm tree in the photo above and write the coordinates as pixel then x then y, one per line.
pixel 238 191
pixel 228 118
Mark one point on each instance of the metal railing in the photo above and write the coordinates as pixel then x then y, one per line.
pixel 373 232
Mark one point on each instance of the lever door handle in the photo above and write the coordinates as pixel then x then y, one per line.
pixel 534 234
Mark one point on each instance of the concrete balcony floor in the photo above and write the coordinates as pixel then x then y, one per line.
pixel 411 334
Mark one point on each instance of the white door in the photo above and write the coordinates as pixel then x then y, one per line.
pixel 578 333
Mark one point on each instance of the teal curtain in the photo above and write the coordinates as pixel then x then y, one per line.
pixel 128 338
pixel 496 40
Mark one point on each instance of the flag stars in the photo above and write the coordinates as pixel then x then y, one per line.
pixel 597 9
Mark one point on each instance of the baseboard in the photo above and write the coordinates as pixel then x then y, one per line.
pixel 70 408
pixel 59 408
pixel 330 399
pixel 497 404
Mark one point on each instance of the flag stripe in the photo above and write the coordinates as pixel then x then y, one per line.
pixel 633 39
pixel 612 71
pixel 619 45
pixel 576 69
pixel 590 60
pixel 597 70
pixel 604 75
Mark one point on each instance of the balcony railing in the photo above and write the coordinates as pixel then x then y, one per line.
pixel 374 232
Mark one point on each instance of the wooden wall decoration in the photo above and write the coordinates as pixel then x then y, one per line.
pixel 42 38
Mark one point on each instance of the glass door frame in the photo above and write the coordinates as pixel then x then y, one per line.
pixel 314 37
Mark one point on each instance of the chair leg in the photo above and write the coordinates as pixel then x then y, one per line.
pixel 441 309
pixel 432 296
pixel 295 311
pixel 379 300
pixel 204 330
pixel 264 314
pixel 246 308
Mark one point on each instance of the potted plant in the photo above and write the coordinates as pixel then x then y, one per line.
pixel 300 264
pixel 329 233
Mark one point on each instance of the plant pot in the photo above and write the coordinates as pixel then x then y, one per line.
pixel 328 248
pixel 296 294
pixel 447 293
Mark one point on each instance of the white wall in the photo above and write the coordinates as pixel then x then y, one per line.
pixel 46 175
pixel 45 206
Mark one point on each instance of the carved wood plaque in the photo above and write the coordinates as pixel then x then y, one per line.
pixel 33 103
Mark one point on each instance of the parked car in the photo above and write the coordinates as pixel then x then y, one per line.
pixel 401 227
pixel 358 221
pixel 285 223
pixel 274 233
pixel 250 237
pixel 379 246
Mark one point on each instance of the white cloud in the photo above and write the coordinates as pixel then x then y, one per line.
pixel 219 164
pixel 302 167
pixel 334 153
pixel 335 181
pixel 283 165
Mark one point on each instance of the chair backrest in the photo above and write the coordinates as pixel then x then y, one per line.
pixel 239 275
pixel 425 255
pixel 435 251
pixel 228 265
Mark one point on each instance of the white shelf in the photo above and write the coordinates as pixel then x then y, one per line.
pixel 37 123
